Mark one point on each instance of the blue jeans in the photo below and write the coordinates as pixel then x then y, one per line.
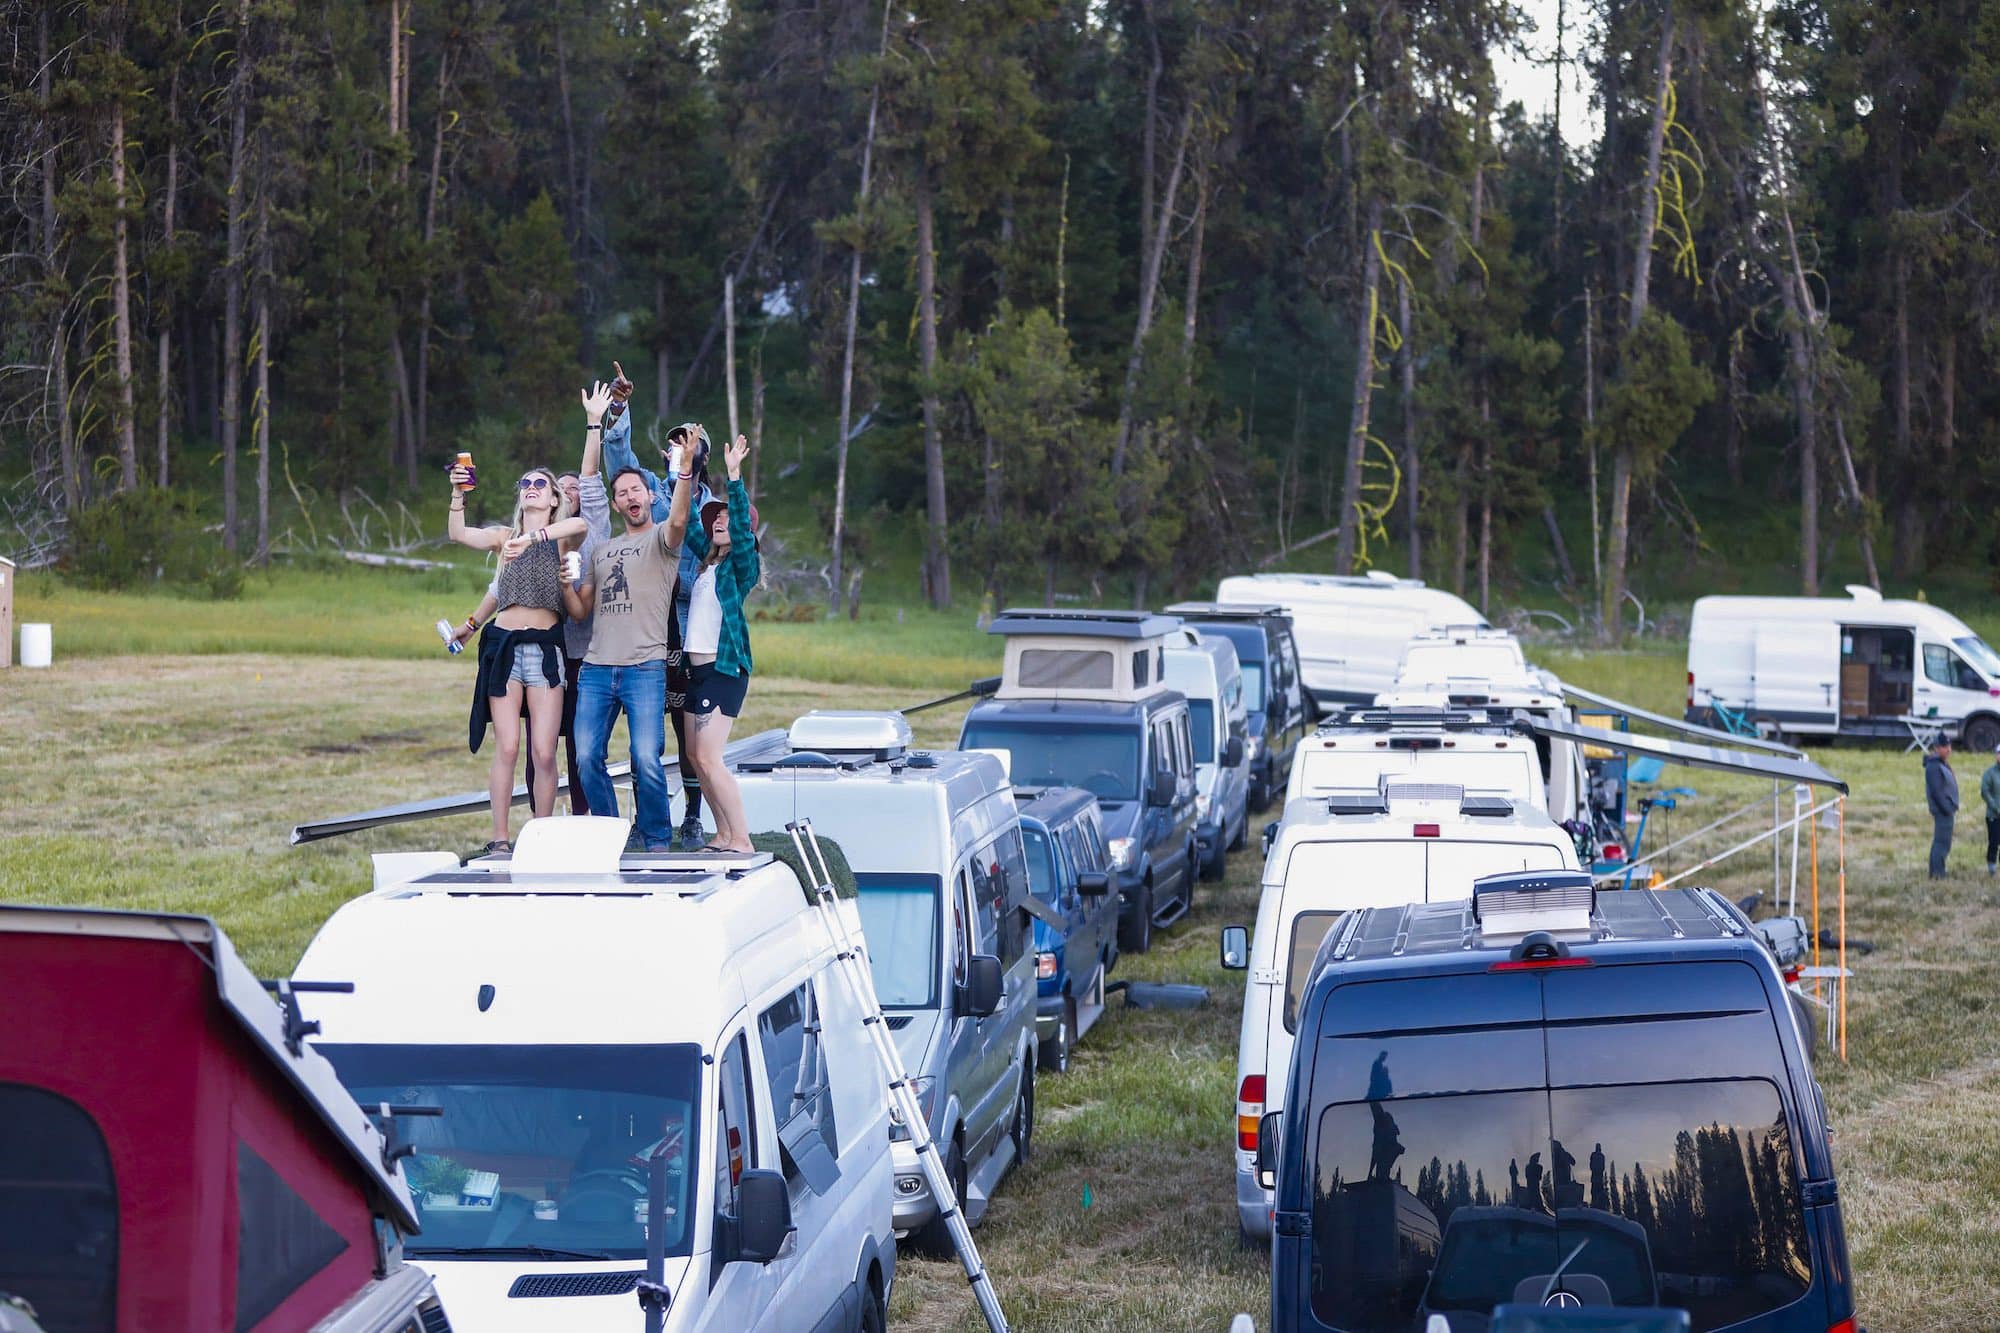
pixel 641 693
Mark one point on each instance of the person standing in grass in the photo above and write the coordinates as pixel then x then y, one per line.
pixel 521 648
pixel 1989 792
pixel 629 589
pixel 718 645
pixel 1941 795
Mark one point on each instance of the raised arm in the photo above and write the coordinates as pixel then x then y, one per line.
pixel 743 556
pixel 675 530
pixel 618 452
pixel 596 399
pixel 560 530
pixel 456 528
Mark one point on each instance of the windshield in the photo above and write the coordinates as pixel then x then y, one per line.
pixel 899 921
pixel 1676 1194
pixel 541 1147
pixel 1980 655
pixel 1201 721
pixel 1103 761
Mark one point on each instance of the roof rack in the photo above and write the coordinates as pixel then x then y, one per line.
pixel 1093 623
pixel 1369 717
pixel 1224 610
pixel 1389 790
pixel 685 874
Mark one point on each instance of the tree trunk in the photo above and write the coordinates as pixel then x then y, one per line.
pixel 1799 357
pixel 1364 387
pixel 421 446
pixel 989 518
pixel 1610 612
pixel 1149 128
pixel 1649 194
pixel 1412 473
pixel 1732 426
pixel 1149 282
pixel 232 286
pixel 729 348
pixel 405 421
pixel 262 397
pixel 1860 508
pixel 121 309
pixel 1564 569
pixel 163 333
pixel 937 561
pixel 756 415
pixel 662 385
pixel 853 321
pixel 1590 438
pixel 70 465
pixel 1461 510
pixel 1485 504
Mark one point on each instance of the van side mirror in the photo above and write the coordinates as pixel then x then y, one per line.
pixel 1232 753
pixel 980 996
pixel 1270 836
pixel 1267 1151
pixel 1235 948
pixel 1163 788
pixel 764 1229
pixel 1093 883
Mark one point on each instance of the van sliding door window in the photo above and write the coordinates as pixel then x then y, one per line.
pixel 801 1090
pixel 1003 926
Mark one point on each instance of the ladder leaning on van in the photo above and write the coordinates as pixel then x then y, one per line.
pixel 861 984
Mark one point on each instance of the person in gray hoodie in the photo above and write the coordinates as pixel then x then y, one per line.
pixel 1989 792
pixel 1941 794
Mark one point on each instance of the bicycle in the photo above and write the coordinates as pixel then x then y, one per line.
pixel 1735 721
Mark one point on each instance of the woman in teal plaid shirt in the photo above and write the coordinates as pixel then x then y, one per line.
pixel 718 645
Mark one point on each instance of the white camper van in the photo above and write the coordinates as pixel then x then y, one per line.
pixel 573 1014
pixel 1351 752
pixel 1351 629
pixel 1847 666
pixel 934 841
pixel 1472 655
pixel 1396 845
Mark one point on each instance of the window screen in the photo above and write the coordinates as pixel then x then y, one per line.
pixel 281 1242
pixel 58 1211
pixel 801 1090
pixel 1065 668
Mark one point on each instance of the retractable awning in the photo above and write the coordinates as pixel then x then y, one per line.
pixel 1789 767
pixel 1675 724
pixel 472 802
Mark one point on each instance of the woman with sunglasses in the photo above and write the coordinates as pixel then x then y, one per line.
pixel 521 648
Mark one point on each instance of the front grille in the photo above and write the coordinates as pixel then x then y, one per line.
pixel 434 1318
pixel 573 1284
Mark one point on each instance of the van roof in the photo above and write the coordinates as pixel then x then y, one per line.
pixel 1053 805
pixel 1095 624
pixel 1862 609
pixel 1074 710
pixel 1661 924
pixel 660 949
pixel 1397 801
pixel 1413 718
pixel 1227 611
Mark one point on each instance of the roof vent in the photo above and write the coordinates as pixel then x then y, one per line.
pixel 1861 592
pixel 837 731
pixel 1520 902
pixel 579 845
pixel 1422 791
pixel 1365 803
pixel 1488 807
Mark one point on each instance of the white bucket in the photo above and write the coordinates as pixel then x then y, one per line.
pixel 37 644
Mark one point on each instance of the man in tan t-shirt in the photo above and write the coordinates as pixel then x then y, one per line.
pixel 630 585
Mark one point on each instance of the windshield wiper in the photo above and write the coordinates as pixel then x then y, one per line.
pixel 502 1252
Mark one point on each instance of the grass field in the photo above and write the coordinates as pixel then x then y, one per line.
pixel 167 778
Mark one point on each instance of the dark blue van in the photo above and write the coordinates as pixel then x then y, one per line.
pixel 1536 1098
pixel 1076 916
pixel 1274 699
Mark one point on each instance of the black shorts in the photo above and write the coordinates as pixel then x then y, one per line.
pixel 710 689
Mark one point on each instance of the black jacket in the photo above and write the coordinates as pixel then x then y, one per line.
pixel 1940 787
pixel 496 661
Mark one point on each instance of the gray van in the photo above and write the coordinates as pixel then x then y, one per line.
pixel 934 841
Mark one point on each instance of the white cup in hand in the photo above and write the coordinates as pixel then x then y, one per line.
pixel 674 460
pixel 573 566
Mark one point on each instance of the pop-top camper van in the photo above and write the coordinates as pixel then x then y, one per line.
pixel 1847 666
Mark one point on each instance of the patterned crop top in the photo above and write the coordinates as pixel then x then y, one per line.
pixel 532 578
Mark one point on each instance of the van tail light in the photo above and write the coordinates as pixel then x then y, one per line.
pixel 1844 1326
pixel 1425 831
pixel 1536 964
pixel 1690 691
pixel 1249 1111
pixel 1791 976
pixel 1612 851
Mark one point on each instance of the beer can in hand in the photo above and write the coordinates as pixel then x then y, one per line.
pixel 451 644
pixel 573 566
pixel 471 472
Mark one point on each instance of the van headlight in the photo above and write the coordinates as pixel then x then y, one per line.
pixel 1253 747
pixel 1201 804
pixel 1121 853
pixel 926 1090
pixel 1045 966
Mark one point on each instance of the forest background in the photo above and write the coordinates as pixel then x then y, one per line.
pixel 1023 298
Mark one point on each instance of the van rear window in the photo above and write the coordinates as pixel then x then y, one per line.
pixel 1669 1194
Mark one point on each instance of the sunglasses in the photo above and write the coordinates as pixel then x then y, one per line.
pixel 532 483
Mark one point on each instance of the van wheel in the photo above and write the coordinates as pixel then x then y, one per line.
pixel 1982 735
pixel 1135 933
pixel 874 1309
pixel 1212 868
pixel 1023 1132
pixel 1054 1057
pixel 933 1241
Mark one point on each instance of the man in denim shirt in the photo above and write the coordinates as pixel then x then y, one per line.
pixel 619 454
